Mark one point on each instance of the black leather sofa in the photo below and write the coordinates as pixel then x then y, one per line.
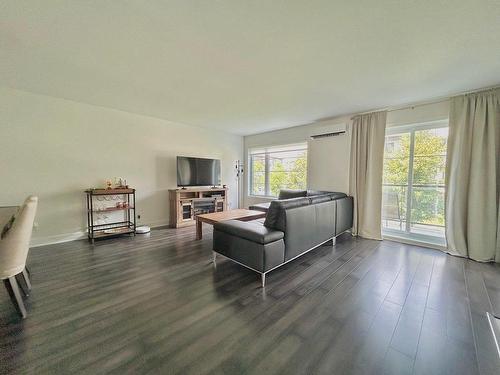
pixel 296 223
pixel 289 194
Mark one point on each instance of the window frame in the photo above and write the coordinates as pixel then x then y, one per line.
pixel 267 151
pixel 406 232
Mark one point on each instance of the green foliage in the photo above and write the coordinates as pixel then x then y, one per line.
pixel 293 178
pixel 282 175
pixel 258 175
pixel 428 171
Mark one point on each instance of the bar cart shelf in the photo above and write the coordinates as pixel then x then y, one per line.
pixel 116 228
pixel 110 209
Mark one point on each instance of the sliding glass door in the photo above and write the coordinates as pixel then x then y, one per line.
pixel 413 183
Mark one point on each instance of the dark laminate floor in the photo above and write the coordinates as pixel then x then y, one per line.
pixel 156 305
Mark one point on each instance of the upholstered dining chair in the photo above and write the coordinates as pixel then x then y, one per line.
pixel 14 247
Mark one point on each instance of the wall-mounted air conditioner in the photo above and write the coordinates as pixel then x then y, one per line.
pixel 328 130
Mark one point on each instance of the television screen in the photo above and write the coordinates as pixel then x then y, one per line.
pixel 197 171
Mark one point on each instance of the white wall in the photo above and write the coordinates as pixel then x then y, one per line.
pixel 56 148
pixel 419 114
pixel 328 158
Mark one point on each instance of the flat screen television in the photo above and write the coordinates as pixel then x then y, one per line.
pixel 197 171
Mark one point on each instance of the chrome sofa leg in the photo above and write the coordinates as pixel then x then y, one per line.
pixel 263 279
pixel 334 241
pixel 214 257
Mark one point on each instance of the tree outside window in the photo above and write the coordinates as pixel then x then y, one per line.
pixel 414 172
pixel 278 168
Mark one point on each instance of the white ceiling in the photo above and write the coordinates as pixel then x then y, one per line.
pixel 249 66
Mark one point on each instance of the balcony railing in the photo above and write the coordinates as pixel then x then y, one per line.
pixel 427 209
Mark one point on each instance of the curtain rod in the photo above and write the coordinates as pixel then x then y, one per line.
pixel 428 102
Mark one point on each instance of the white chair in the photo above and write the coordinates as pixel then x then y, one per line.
pixel 14 247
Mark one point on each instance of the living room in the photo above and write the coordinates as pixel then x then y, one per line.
pixel 250 187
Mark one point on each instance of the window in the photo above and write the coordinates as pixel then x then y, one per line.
pixel 413 183
pixel 275 168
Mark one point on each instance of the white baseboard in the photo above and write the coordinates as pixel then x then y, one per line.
pixel 80 235
pixel 154 224
pixel 57 238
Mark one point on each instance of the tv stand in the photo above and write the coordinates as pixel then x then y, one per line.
pixel 186 203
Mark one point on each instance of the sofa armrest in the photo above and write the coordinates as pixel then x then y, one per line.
pixel 251 231
pixel 264 207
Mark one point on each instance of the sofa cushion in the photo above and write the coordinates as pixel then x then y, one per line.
pixel 275 217
pixel 252 231
pixel 300 232
pixel 319 199
pixel 311 193
pixel 332 194
pixel 257 256
pixel 289 194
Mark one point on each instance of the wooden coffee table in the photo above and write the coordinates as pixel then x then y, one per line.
pixel 238 214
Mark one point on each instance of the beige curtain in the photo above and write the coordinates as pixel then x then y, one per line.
pixel 365 174
pixel 473 175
